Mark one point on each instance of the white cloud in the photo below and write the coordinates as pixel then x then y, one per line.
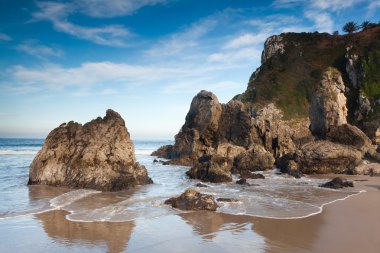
pixel 333 5
pixel 246 40
pixel 32 48
pixel 322 20
pixel 178 42
pixel 113 8
pixel 5 37
pixel 372 7
pixel 57 13
pixel 247 54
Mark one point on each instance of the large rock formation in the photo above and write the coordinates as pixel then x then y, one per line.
pixel 328 105
pixel 193 200
pixel 97 155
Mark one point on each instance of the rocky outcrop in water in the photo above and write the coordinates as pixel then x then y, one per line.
pixel 193 200
pixel 97 155
pixel 337 183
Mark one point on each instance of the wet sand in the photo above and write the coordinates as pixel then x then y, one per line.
pixel 351 225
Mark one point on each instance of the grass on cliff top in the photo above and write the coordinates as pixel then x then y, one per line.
pixel 290 79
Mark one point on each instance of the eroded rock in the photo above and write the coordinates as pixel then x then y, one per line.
pixel 328 104
pixel 97 155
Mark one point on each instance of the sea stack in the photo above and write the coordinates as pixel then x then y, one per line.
pixel 97 155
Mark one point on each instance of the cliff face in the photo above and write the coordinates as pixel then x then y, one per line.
pixel 97 155
pixel 293 65
pixel 300 108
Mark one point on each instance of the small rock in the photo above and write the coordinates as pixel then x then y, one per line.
pixel 201 185
pixel 250 175
pixel 193 200
pixel 337 183
pixel 242 181
pixel 226 200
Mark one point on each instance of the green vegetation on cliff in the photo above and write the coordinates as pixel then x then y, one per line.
pixel 289 79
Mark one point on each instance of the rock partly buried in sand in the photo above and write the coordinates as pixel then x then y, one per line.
pixel 321 157
pixel 226 200
pixel 193 200
pixel 212 168
pixel 337 183
pixel 98 155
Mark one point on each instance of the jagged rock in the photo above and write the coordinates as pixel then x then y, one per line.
pixel 337 183
pixel 193 200
pixel 249 175
pixel 328 104
pixel 212 168
pixel 321 157
pixel 353 68
pixel 272 46
pixel 164 152
pixel 256 159
pixel 364 108
pixel 97 155
pixel 350 135
pixel 289 164
pixel 235 125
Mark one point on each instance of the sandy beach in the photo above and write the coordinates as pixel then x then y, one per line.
pixel 348 225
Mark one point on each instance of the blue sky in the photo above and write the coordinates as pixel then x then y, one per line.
pixel 146 59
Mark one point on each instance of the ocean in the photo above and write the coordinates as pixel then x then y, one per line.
pixel 54 219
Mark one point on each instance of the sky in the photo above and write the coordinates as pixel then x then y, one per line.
pixel 146 59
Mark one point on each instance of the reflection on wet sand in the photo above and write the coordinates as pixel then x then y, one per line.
pixel 279 235
pixel 294 235
pixel 207 224
pixel 114 235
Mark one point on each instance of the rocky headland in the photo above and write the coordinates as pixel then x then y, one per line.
pixel 312 107
pixel 97 155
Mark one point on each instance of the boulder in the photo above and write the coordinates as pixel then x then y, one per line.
pixel 337 183
pixel 328 104
pixel 322 157
pixel 350 135
pixel 255 159
pixel 193 200
pixel 97 155
pixel 212 168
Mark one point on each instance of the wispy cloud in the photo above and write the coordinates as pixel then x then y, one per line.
pixel 176 43
pixel 372 7
pixel 57 13
pixel 113 8
pixel 322 20
pixel 334 5
pixel 33 48
pixel 5 37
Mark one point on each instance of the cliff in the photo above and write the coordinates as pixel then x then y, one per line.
pixel 293 65
pixel 304 111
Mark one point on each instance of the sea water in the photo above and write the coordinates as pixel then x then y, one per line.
pixel 276 196
pixel 42 218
